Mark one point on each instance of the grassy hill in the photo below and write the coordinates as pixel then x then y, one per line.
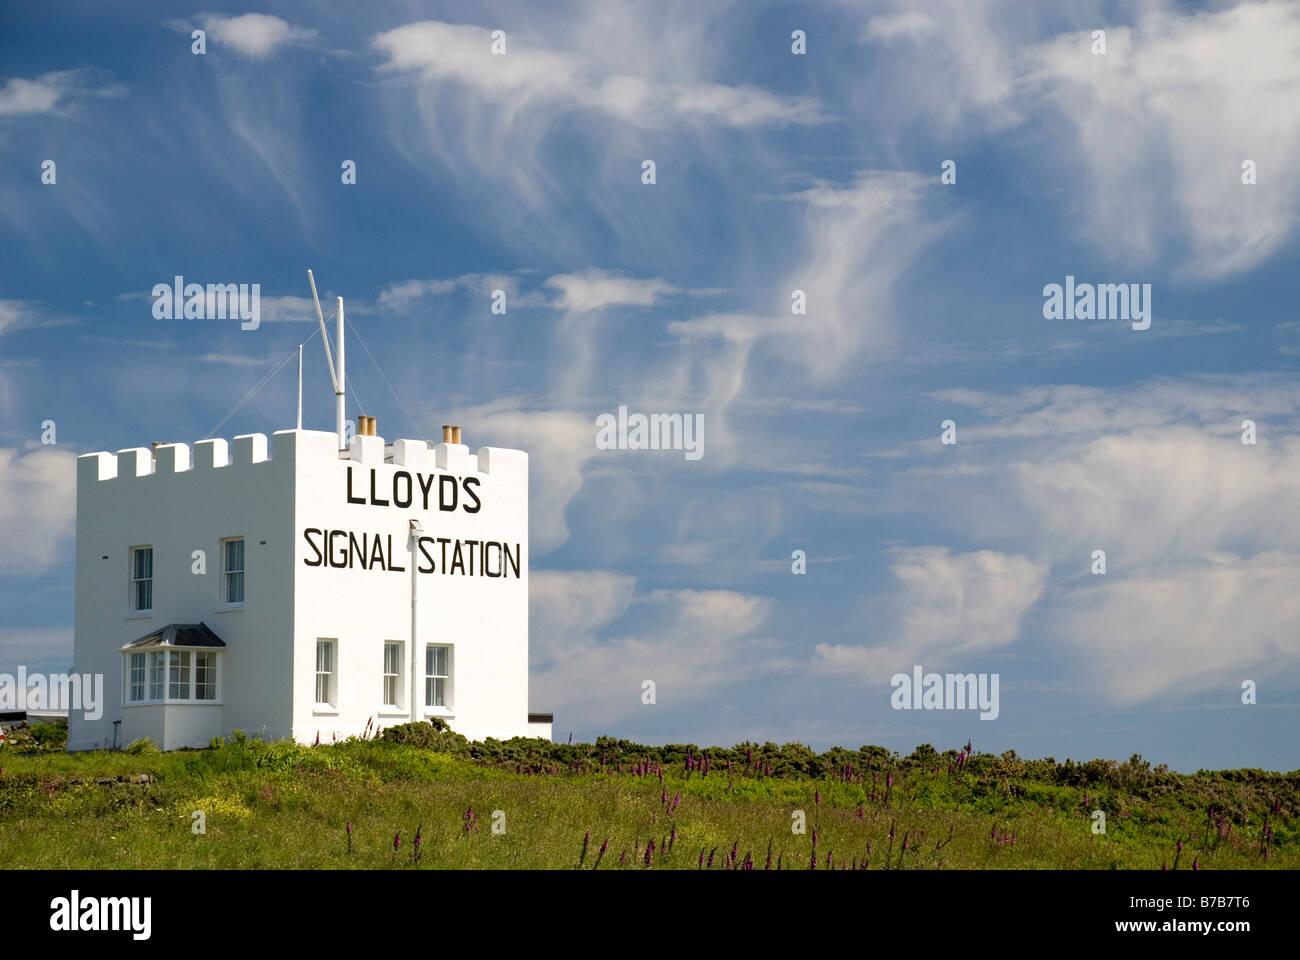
pixel 535 804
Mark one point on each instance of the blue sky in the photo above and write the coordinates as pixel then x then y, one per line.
pixel 774 172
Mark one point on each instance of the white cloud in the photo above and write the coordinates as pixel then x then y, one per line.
pixel 38 510
pixel 255 35
pixel 402 296
pixel 14 315
pixel 892 26
pixel 559 444
pixel 698 641
pixel 1201 532
pixel 51 92
pixel 597 289
pixel 1190 96
pixel 29 96
pixel 459 53
pixel 235 360
pixel 1187 628
pixel 947 606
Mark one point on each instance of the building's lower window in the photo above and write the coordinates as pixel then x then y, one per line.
pixel 392 673
pixel 325 672
pixel 178 687
pixel 205 676
pixel 437 675
pixel 157 674
pixel 137 677
pixel 173 676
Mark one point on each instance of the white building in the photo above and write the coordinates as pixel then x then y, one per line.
pixel 293 590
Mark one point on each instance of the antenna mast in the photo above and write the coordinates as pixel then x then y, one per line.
pixel 339 414
pixel 336 377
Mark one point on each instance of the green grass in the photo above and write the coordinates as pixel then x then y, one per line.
pixel 281 805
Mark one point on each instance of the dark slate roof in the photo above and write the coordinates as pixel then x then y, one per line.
pixel 179 635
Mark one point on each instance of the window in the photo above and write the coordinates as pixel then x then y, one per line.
pixel 137 677
pixel 205 676
pixel 232 570
pixel 172 676
pixel 178 687
pixel 392 673
pixel 157 664
pixel 141 579
pixel 437 676
pixel 325 672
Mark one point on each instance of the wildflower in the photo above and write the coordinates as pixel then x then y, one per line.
pixel 701 856
pixel 817 797
pixel 649 852
pixel 1196 863
pixel 814 835
pixel 397 841
pixel 349 836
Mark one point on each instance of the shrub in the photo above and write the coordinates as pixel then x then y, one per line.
pixel 430 734
pixel 50 736
pixel 143 745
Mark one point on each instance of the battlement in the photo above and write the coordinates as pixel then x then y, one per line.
pixel 306 447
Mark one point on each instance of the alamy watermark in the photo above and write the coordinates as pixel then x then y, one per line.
pixel 655 431
pixel 55 691
pixel 75 913
pixel 1102 301
pixel 217 301
pixel 949 691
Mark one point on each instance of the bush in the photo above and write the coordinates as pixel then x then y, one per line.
pixel 50 736
pixel 143 745
pixel 426 733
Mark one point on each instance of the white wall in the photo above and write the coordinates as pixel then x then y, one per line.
pixel 267 684
pixel 177 507
pixel 484 618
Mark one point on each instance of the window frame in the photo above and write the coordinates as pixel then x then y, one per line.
pixel 226 573
pixel 448 696
pixel 395 677
pixel 133 582
pixel 157 683
pixel 331 688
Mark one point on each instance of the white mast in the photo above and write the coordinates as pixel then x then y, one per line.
pixel 340 385
pixel 300 386
pixel 337 377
